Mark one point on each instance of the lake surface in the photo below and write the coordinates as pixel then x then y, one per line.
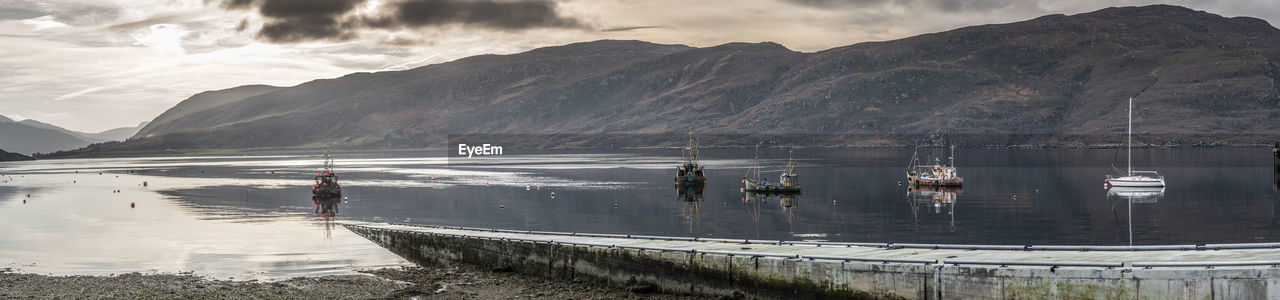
pixel 252 217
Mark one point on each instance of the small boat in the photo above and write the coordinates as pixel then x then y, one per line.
pixel 1131 178
pixel 786 180
pixel 326 181
pixel 933 175
pixel 690 173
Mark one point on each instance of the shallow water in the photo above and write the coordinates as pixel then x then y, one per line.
pixel 252 217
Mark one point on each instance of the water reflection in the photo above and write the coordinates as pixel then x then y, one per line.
pixel 940 199
pixel 755 201
pixel 1131 196
pixel 326 207
pixel 691 196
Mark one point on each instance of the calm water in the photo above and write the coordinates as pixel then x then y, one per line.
pixel 252 216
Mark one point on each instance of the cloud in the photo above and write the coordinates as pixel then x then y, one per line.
pixel 289 21
pixel 511 15
pixel 935 5
pixel 630 28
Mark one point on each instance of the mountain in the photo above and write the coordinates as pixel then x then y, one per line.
pixel 31 136
pixel 43 125
pixel 22 138
pixel 6 156
pixel 117 134
pixel 201 102
pixel 1195 78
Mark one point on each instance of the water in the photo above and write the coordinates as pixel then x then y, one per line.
pixel 252 216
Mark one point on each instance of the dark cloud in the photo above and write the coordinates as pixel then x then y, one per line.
pixel 288 21
pixel 509 15
pixel 306 8
pixel 630 28
pixel 936 5
pixel 300 20
pixel 969 5
pixel 842 3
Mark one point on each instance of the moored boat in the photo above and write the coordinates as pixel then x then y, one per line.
pixel 1131 178
pixel 786 180
pixel 690 173
pixel 326 181
pixel 933 175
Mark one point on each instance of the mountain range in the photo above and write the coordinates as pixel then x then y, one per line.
pixel 31 136
pixel 1195 78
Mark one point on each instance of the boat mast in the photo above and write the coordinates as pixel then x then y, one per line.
pixel 1129 146
pixel 953 156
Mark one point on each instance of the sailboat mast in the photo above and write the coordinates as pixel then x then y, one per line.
pixel 1129 145
pixel 952 158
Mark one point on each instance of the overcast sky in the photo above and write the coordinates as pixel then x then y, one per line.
pixel 93 65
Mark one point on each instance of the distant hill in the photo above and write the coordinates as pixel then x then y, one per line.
pixel 1196 78
pixel 6 156
pixel 117 134
pixel 22 138
pixel 31 136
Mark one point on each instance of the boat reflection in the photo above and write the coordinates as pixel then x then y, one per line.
pixel 1137 194
pixel 786 201
pixel 689 193
pixel 326 207
pixel 940 199
pixel 1132 195
pixel 691 196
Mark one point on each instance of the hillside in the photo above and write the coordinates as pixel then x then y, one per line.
pixel 1196 78
pixel 25 139
pixel 6 156
pixel 31 136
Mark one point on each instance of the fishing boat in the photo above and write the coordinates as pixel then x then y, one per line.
pixel 786 180
pixel 326 181
pixel 933 175
pixel 690 173
pixel 1129 177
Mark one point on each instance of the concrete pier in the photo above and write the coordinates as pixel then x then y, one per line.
pixel 794 269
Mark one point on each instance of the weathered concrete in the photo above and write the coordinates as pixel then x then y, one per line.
pixel 776 270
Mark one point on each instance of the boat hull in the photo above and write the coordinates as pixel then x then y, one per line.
pixel 680 182
pixel 753 186
pixel 949 182
pixel 1133 182
pixel 327 192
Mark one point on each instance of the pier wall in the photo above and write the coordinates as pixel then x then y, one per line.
pixel 779 277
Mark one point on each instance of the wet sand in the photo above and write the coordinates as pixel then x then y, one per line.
pixel 445 282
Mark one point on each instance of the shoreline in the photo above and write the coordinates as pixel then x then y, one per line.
pixel 446 281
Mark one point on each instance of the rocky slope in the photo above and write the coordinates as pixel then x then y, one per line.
pixel 1195 77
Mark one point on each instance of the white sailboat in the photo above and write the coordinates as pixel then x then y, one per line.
pixel 1133 178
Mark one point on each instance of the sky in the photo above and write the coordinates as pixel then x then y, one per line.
pixel 93 65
